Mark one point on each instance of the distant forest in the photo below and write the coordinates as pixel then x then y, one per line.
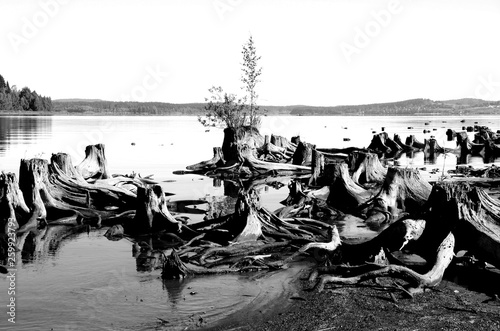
pixel 26 101
pixel 409 107
pixel 11 99
pixel 82 106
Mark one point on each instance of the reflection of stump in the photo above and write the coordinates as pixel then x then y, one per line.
pixel 94 166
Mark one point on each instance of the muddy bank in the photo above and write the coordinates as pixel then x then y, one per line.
pixel 372 307
pixel 279 291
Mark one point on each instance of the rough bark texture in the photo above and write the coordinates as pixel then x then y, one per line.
pixel 94 166
pixel 216 161
pixel 367 168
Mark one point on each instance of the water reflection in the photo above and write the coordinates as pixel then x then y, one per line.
pixel 19 130
pixel 38 244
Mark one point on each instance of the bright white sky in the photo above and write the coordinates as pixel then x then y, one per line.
pixel 314 52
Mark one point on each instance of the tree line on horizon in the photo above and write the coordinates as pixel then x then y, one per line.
pixel 12 99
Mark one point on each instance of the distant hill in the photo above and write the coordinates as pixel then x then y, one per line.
pixel 407 107
pixel 102 107
pixel 465 101
pixel 78 100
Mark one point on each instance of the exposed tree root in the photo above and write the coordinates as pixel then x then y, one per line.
pixel 417 282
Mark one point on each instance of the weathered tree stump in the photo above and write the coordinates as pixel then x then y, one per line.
pixel 402 188
pixel 94 166
pixel 271 152
pixel 367 168
pixel 405 147
pixel 317 167
pixel 345 194
pixel 216 161
pixel 378 143
pixel 414 142
pixel 303 154
pixel 13 208
pixel 239 136
pixel 152 215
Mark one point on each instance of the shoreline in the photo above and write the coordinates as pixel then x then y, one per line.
pixel 280 290
pixel 84 114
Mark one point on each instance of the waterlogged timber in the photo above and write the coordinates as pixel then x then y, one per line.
pixel 359 184
pixel 52 200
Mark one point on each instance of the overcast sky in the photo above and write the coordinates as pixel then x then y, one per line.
pixel 314 52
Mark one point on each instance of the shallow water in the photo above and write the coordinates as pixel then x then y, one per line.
pixel 84 281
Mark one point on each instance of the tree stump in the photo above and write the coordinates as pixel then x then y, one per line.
pixel 94 166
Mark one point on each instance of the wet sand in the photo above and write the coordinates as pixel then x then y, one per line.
pixel 371 307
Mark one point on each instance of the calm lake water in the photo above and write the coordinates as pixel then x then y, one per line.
pixel 88 282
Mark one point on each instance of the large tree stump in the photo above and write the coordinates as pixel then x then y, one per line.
pixel 367 168
pixel 239 136
pixel 152 214
pixel 345 194
pixel 473 215
pixel 317 167
pixel 280 141
pixel 271 152
pixel 405 147
pixel 52 194
pixel 303 154
pixel 414 142
pixel 378 143
pixel 13 208
pixel 402 188
pixel 94 166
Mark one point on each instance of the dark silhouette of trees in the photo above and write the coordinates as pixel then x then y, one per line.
pixel 24 100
